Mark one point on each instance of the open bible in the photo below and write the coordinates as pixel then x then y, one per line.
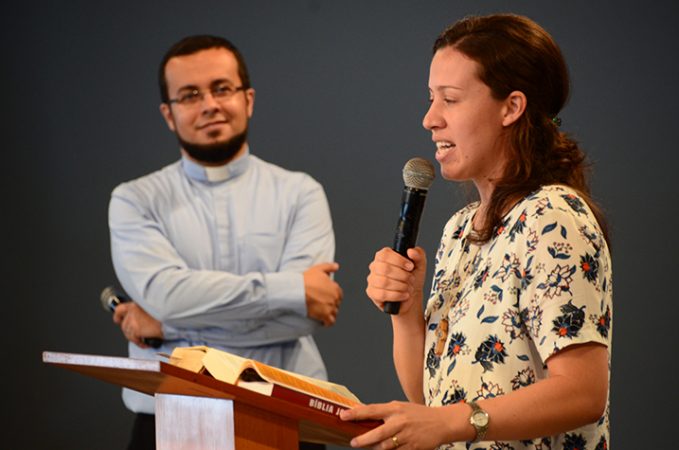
pixel 256 376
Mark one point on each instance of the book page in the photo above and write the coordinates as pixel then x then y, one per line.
pixel 224 366
pixel 318 388
pixel 189 358
pixel 262 387
pixel 341 390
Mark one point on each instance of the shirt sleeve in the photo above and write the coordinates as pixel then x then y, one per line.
pixel 253 308
pixel 568 295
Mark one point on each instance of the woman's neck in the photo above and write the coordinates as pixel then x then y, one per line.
pixel 485 191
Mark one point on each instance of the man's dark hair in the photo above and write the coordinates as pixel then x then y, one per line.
pixel 194 44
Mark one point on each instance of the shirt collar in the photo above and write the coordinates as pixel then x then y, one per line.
pixel 216 174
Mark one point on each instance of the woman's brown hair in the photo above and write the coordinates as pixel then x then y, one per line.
pixel 516 54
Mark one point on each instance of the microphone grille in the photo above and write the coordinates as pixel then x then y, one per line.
pixel 418 173
pixel 106 294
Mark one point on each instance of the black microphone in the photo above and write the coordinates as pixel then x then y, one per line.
pixel 418 174
pixel 110 298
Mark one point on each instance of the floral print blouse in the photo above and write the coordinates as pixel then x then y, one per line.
pixel 497 311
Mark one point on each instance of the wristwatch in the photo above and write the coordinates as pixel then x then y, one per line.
pixel 479 420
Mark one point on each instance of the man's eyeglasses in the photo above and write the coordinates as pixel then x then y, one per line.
pixel 219 92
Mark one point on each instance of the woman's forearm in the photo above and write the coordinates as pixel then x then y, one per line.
pixel 573 395
pixel 408 350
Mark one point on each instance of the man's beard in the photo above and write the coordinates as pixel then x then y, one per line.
pixel 219 152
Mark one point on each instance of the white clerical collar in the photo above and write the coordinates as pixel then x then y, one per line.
pixel 216 174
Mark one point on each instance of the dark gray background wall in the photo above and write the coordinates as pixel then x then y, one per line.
pixel 341 91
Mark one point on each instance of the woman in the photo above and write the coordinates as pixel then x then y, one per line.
pixel 513 347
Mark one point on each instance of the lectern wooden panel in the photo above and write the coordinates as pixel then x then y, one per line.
pixel 188 423
pixel 197 411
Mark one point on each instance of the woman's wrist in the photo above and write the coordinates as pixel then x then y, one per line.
pixel 409 322
pixel 456 423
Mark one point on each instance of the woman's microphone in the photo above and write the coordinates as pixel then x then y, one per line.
pixel 418 174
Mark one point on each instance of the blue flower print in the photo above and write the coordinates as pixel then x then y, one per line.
pixel 524 378
pixel 544 443
pixel 500 446
pixel 560 250
pixel 603 322
pixel 532 241
pixel 489 390
pixel 457 345
pixel 501 228
pixel 457 234
pixel 574 442
pixel 481 278
pixel 510 265
pixel 575 203
pixel 454 395
pixel 518 226
pixel 532 317
pixel 602 445
pixel 558 281
pixel 589 266
pixel 569 324
pixel 591 237
pixel 525 275
pixel 492 350
pixel 433 361
pixel 541 207
pixel 514 324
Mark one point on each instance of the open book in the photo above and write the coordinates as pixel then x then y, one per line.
pixel 265 379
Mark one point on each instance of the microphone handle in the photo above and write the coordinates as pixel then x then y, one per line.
pixel 153 342
pixel 412 204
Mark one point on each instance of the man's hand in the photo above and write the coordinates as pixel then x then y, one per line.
pixel 136 323
pixel 323 295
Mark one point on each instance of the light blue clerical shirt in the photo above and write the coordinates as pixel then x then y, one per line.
pixel 217 255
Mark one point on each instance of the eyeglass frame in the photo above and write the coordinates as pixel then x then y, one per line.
pixel 200 95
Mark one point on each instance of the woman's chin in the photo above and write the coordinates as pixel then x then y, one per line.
pixel 451 173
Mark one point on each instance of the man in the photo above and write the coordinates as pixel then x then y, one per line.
pixel 220 248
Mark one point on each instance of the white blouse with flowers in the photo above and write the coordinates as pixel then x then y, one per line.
pixel 497 311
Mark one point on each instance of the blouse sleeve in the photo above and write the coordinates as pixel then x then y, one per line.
pixel 566 287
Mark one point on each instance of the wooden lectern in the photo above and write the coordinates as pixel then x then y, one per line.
pixel 195 411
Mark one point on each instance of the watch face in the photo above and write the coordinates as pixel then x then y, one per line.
pixel 480 418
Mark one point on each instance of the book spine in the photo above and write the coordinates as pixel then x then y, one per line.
pixel 307 400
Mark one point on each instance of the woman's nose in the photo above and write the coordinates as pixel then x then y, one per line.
pixel 432 118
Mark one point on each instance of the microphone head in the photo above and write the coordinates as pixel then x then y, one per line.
pixel 107 295
pixel 418 173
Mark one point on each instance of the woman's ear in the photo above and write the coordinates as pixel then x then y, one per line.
pixel 515 105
